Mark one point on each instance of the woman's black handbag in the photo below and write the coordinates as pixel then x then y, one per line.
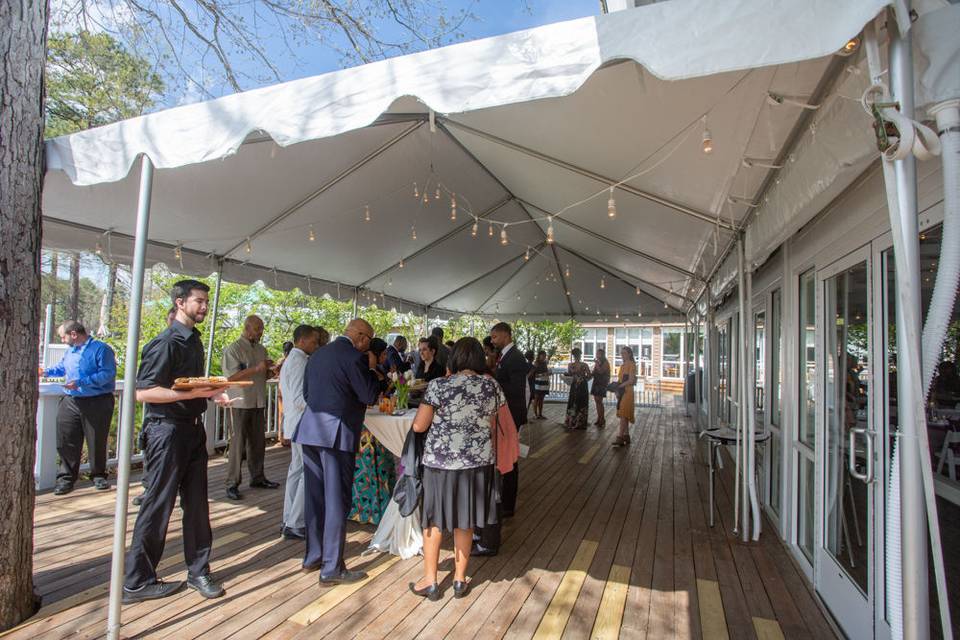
pixel 615 388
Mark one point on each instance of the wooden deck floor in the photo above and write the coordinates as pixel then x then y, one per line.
pixel 606 543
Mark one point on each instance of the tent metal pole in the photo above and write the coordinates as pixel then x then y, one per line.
pixel 742 452
pixel 356 294
pixel 913 541
pixel 213 320
pixel 697 375
pixel 685 362
pixel 709 348
pixel 128 402
pixel 750 387
pixel 47 330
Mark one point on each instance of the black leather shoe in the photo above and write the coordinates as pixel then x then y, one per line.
pixel 507 514
pixel 290 533
pixel 62 488
pixel 206 586
pixel 460 589
pixel 430 593
pixel 234 494
pixel 482 552
pixel 265 484
pixel 158 589
pixel 101 484
pixel 344 577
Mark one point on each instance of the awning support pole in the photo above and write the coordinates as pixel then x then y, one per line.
pixel 214 315
pixel 913 536
pixel 743 467
pixel 697 373
pixel 127 407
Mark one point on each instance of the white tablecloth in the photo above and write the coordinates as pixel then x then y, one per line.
pixel 396 535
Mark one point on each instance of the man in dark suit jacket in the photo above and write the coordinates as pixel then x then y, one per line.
pixel 338 384
pixel 511 372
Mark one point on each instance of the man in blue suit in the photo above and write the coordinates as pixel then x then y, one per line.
pixel 339 383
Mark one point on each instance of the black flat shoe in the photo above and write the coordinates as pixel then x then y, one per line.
pixel 430 593
pixel 460 589
pixel 482 552
pixel 158 589
pixel 289 533
pixel 206 586
pixel 265 484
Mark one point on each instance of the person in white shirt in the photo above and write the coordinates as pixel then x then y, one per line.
pixel 306 340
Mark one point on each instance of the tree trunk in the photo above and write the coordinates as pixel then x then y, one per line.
pixel 106 307
pixel 23 33
pixel 73 309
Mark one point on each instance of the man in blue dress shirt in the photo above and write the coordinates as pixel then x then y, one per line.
pixel 89 370
pixel 338 384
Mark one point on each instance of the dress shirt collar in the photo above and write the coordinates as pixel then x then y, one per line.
pixel 181 330
pixel 503 352
pixel 81 347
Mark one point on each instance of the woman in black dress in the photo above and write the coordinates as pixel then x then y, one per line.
pixel 578 406
pixel 541 383
pixel 601 379
pixel 430 367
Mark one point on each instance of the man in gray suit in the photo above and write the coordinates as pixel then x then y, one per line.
pixel 339 383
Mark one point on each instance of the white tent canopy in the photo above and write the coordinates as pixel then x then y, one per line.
pixel 275 183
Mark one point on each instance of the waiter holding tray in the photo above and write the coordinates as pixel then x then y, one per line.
pixel 176 452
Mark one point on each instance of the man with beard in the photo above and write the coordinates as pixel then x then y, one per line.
pixel 176 453
pixel 246 359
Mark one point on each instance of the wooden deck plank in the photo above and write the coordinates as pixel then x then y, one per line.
pixel 607 543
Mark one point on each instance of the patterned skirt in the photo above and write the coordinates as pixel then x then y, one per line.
pixel 373 480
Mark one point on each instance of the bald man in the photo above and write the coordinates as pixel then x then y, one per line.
pixel 246 359
pixel 339 383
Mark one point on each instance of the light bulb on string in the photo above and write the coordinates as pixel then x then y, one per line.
pixel 312 235
pixel 453 207
pixel 248 247
pixel 526 255
pixel 566 271
pixel 98 249
pixel 401 263
pixel 436 194
pixel 413 233
pixel 490 230
pixel 503 236
pixel 638 289
pixel 473 229
pixel 603 283
pixel 611 206
pixel 707 144
pixel 366 213
pixel 416 192
pixel 177 254
pixel 549 229
pixel 426 198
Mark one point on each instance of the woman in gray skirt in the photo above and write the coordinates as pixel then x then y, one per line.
pixel 459 414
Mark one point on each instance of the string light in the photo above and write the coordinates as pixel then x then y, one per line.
pixel 707 144
pixel 177 254
pixel 638 289
pixel 436 194
pixel 566 271
pixel 98 249
pixel 413 233
pixel 366 213
pixel 453 207
pixel 312 235
pixel 490 230
pixel 473 229
pixel 611 206
pixel 401 263
pixel 426 198
pixel 526 255
pixel 248 247
pixel 416 192
pixel 549 229
pixel 603 284
pixel 503 236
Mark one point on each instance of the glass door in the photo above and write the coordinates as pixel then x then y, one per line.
pixel 845 551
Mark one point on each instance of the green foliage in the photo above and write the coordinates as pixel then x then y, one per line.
pixel 92 81
pixel 552 337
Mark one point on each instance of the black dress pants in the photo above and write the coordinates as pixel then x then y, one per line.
pixel 248 436
pixel 176 455
pixel 80 419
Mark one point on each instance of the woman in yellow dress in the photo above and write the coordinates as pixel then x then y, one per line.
pixel 628 378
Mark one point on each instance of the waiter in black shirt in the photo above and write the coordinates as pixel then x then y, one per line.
pixel 176 453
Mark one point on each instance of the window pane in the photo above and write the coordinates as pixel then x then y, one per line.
pixel 775 470
pixel 808 362
pixel 805 524
pixel 671 353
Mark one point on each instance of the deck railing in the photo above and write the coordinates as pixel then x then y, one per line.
pixel 647 392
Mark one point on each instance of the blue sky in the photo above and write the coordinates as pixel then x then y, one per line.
pixel 492 17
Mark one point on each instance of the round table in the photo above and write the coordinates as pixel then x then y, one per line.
pixel 395 534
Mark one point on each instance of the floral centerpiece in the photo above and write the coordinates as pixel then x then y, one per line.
pixel 401 382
